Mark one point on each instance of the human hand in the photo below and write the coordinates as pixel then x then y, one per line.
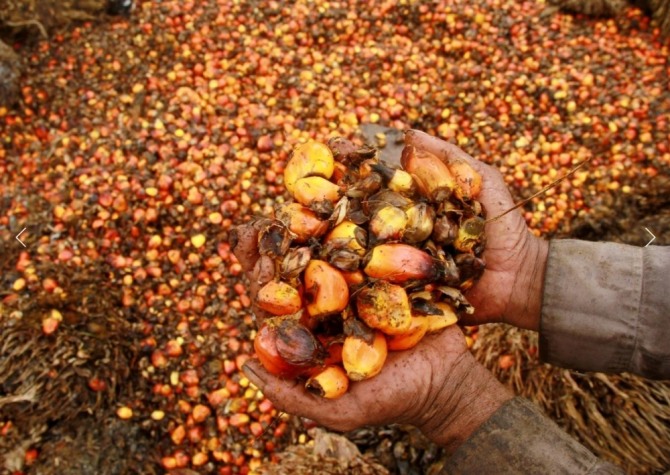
pixel 436 386
pixel 510 289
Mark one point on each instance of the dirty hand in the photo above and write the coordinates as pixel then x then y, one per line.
pixel 510 290
pixel 436 386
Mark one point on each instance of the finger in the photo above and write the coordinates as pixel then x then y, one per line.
pixel 291 397
pixel 495 195
pixel 244 244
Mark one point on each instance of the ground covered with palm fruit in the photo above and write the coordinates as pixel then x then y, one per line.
pixel 139 142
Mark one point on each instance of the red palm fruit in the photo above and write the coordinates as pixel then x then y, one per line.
pixel 363 360
pixel 326 291
pixel 265 346
pixel 399 263
pixel 279 298
pixel 384 306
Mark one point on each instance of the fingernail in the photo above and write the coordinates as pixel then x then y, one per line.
pixel 253 376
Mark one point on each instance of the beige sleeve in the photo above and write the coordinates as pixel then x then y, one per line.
pixel 606 307
pixel 518 438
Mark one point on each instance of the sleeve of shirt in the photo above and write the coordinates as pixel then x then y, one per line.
pixel 518 438
pixel 606 308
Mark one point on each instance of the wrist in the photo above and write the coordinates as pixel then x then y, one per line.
pixel 525 305
pixel 466 399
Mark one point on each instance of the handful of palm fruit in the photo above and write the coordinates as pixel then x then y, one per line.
pixel 369 258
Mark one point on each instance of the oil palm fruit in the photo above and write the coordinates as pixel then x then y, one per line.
pixel 308 159
pixel 331 382
pixel 384 306
pixel 361 359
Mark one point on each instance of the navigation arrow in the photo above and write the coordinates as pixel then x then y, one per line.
pixel 652 237
pixel 17 237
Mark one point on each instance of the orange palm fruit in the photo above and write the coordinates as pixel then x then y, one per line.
pixel 301 221
pixel 446 318
pixel 399 263
pixel 331 383
pixel 397 180
pixel 354 277
pixel 315 189
pixel 326 291
pixel 363 360
pixel 468 181
pixel 308 159
pixel 384 306
pixel 279 298
pixel 411 337
pixel 432 176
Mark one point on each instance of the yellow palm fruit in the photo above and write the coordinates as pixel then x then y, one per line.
pixel 470 233
pixel 388 223
pixel 308 159
pixel 397 180
pixel 384 306
pixel 444 319
pixel 315 189
pixel 363 360
pixel 347 235
pixel 420 219
pixel 331 383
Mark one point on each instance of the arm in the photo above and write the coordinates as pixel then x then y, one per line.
pixel 606 308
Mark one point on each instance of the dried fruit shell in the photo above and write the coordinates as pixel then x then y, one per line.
pixel 297 345
pixel 265 346
pixel 346 235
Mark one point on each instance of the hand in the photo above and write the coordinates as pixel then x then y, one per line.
pixel 510 290
pixel 436 386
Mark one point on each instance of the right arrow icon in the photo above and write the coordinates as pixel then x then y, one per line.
pixel 652 237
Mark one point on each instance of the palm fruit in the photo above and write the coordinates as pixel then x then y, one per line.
pixel 384 306
pixel 368 257
pixel 331 383
pixel 361 359
pixel 308 159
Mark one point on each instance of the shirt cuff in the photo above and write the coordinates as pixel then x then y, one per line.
pixel 518 438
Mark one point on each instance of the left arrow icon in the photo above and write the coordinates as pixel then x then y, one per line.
pixel 17 237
